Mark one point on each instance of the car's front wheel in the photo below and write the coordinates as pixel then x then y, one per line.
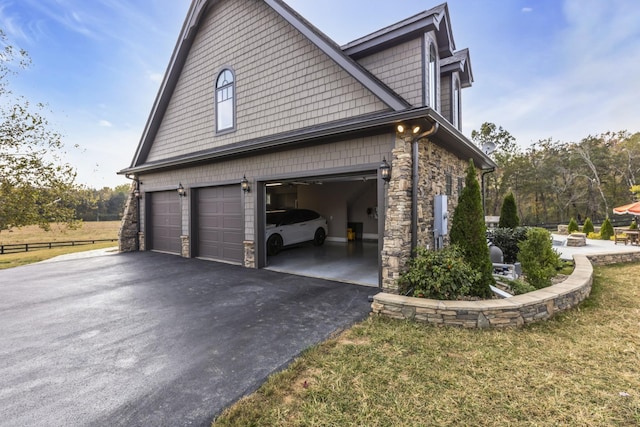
pixel 274 244
pixel 318 238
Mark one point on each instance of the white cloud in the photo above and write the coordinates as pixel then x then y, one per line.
pixel 527 9
pixel 155 77
pixel 105 123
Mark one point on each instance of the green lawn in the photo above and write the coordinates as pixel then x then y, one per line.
pixel 580 369
pixel 58 233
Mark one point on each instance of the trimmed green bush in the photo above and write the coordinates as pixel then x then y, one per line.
pixel 539 261
pixel 442 274
pixel 588 226
pixel 633 225
pixel 469 232
pixel 509 213
pixel 606 231
pixel 573 226
pixel 519 287
pixel 507 240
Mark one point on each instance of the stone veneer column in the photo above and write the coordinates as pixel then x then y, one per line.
pixel 249 254
pixel 128 233
pixel 185 246
pixel 396 250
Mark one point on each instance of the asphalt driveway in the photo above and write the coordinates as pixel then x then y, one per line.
pixel 153 339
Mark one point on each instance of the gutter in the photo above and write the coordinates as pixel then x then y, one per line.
pixel 485 172
pixel 414 179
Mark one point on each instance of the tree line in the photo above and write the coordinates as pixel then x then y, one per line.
pixel 554 181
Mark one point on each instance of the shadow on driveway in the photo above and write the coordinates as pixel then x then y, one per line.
pixel 153 339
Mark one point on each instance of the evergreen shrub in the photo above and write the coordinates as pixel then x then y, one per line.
pixel 538 258
pixel 573 226
pixel 442 274
pixel 606 231
pixel 588 226
pixel 507 240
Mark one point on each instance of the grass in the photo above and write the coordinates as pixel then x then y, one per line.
pixel 34 234
pixel 580 369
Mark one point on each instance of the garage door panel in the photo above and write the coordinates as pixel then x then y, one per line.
pixel 220 223
pixel 165 222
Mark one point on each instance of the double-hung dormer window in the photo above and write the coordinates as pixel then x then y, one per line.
pixel 455 110
pixel 225 105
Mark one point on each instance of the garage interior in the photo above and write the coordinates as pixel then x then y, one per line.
pixel 350 205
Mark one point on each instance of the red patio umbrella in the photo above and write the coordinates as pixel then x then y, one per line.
pixel 631 208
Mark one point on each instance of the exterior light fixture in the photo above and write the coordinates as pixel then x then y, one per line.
pixel 385 170
pixel 181 191
pixel 416 129
pixel 136 193
pixel 400 128
pixel 245 184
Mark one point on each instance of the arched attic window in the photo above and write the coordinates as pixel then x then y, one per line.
pixel 225 101
pixel 432 76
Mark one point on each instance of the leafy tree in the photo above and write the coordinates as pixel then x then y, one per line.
pixel 509 213
pixel 588 226
pixel 468 231
pixel 35 181
pixel 606 230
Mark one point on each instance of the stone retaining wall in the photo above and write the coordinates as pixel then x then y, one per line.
pixel 509 312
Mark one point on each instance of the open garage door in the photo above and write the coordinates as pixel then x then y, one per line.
pixel 165 222
pixel 219 223
pixel 348 203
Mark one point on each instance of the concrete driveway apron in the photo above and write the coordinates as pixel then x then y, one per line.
pixel 153 339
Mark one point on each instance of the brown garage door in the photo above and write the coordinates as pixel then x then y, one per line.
pixel 219 223
pixel 166 222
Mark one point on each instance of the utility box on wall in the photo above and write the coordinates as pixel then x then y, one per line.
pixel 440 219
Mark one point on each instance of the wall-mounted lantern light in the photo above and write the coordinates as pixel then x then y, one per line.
pixel 136 193
pixel 385 170
pixel 245 184
pixel 181 191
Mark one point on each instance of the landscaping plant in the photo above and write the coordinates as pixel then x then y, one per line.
pixel 442 274
pixel 509 213
pixel 633 225
pixel 469 232
pixel 507 240
pixel 606 231
pixel 588 226
pixel 539 261
pixel 573 226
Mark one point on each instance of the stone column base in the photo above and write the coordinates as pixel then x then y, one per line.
pixel 141 246
pixel 249 254
pixel 186 247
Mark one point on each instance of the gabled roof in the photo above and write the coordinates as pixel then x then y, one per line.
pixel 461 62
pixel 185 41
pixel 435 19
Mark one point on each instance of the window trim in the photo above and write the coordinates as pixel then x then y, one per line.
pixel 456 101
pixel 231 85
pixel 432 75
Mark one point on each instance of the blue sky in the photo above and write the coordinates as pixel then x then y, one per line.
pixel 560 69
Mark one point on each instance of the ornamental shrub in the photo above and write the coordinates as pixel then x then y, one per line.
pixel 573 226
pixel 588 226
pixel 469 232
pixel 539 260
pixel 509 213
pixel 519 287
pixel 507 239
pixel 606 231
pixel 442 274
pixel 633 225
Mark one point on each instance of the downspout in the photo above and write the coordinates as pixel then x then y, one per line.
pixel 137 181
pixel 414 181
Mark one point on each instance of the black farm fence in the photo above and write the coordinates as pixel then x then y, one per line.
pixel 26 247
